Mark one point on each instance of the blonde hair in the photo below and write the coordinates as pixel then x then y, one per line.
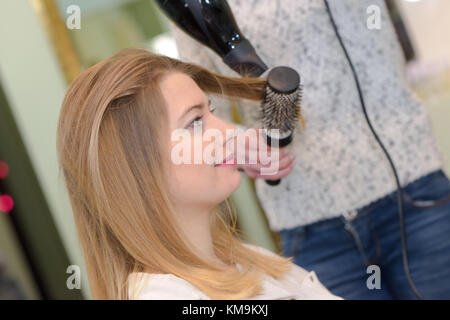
pixel 109 141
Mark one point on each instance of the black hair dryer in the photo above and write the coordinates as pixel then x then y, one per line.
pixel 212 23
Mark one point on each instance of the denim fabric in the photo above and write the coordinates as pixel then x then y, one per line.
pixel 339 250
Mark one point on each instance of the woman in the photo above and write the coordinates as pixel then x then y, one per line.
pixel 150 228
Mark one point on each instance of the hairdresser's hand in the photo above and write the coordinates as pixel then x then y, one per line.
pixel 280 168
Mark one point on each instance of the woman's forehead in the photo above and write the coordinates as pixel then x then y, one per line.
pixel 180 92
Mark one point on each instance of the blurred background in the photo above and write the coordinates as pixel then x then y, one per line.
pixel 40 56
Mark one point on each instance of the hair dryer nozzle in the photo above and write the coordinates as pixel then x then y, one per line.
pixel 244 60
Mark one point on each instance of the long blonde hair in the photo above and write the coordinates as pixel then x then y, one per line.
pixel 109 144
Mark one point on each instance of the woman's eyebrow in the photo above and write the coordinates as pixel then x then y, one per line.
pixel 189 109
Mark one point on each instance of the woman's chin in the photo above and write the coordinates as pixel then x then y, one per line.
pixel 227 179
pixel 232 180
pixel 232 185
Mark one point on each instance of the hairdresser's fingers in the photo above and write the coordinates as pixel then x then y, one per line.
pixel 283 162
pixel 254 150
pixel 254 139
pixel 256 156
pixel 280 174
pixel 252 173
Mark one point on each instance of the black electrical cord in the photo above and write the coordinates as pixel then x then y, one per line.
pixel 399 189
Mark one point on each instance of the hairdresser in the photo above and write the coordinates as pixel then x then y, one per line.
pixel 336 211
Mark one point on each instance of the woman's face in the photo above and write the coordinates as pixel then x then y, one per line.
pixel 193 181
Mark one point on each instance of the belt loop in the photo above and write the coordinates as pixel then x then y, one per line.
pixel 348 217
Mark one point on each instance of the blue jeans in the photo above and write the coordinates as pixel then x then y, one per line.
pixel 339 250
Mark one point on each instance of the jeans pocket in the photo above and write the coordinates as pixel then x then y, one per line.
pixel 432 193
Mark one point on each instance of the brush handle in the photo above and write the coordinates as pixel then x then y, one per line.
pixel 281 143
pixel 273 182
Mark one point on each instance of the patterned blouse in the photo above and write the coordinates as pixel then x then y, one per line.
pixel 339 165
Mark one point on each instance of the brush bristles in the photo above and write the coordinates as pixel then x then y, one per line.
pixel 281 111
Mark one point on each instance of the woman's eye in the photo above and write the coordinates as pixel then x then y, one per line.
pixel 196 122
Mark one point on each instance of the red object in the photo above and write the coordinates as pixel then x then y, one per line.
pixel 6 203
pixel 4 170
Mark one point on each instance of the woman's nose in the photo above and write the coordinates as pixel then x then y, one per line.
pixel 228 130
pixel 223 126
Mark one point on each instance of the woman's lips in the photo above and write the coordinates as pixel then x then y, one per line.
pixel 229 161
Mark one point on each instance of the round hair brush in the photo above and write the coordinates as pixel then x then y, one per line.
pixel 280 111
